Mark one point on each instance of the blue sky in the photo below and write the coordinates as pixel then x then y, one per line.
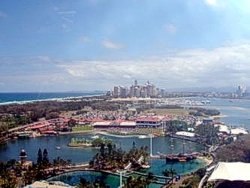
pixel 95 44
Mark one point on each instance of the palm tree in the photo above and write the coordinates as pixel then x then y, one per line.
pixel 150 178
pixel 39 157
pixel 45 159
pixel 128 183
pixel 84 183
pixel 169 173
pixel 135 182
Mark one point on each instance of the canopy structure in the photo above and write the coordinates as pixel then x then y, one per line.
pixel 231 171
pixel 45 184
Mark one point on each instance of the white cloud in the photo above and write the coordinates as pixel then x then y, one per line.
pixel 111 45
pixel 67 20
pixel 84 39
pixel 67 17
pixel 220 67
pixel 211 2
pixel 67 12
pixel 170 28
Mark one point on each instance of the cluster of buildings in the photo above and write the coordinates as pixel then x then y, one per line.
pixel 149 90
pixel 136 122
pixel 141 122
pixel 45 127
pixel 161 122
pixel 136 90
pixel 241 91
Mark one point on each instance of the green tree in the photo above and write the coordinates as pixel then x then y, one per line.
pixel 208 133
pixel 39 157
pixel 169 173
pixel 29 176
pixel 150 178
pixel 102 149
pixel 45 160
pixel 84 183
pixel 110 148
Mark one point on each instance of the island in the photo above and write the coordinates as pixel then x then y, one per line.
pixel 86 143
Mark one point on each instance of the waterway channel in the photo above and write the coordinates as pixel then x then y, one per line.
pixel 83 155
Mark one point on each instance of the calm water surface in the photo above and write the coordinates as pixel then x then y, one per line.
pixel 236 111
pixel 78 155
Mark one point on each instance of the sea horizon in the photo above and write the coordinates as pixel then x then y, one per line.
pixel 25 97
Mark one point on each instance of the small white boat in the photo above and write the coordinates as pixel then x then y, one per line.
pixel 58 147
pixel 95 137
pixel 145 166
pixel 142 136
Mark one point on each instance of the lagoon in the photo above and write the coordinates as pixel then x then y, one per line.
pixel 83 155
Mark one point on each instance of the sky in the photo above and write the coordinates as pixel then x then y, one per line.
pixel 85 45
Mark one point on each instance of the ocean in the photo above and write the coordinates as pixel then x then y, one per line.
pixel 234 112
pixel 7 98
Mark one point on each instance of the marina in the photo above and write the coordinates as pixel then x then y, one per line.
pixel 78 156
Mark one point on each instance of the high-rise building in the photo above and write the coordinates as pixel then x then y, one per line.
pixel 135 82
pixel 123 92
pixel 241 91
pixel 147 90
pixel 116 92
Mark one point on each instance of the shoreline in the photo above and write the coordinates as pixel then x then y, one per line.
pixel 118 136
pixel 77 132
pixel 219 116
pixel 58 99
pixel 79 146
pixel 205 160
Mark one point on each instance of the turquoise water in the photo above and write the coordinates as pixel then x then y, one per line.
pixel 157 166
pixel 73 178
pixel 80 155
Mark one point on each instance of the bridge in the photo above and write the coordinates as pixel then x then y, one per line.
pixel 166 180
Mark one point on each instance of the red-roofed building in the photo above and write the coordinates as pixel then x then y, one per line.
pixel 103 125
pixel 148 122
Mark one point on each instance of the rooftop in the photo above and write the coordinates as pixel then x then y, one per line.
pixel 232 171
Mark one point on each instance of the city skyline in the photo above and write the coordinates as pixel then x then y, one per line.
pixel 94 44
pixel 151 90
pixel 137 90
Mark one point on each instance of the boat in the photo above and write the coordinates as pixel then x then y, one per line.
pixel 95 136
pixel 145 136
pixel 142 136
pixel 24 135
pixel 58 147
pixel 180 157
pixel 145 166
pixel 205 102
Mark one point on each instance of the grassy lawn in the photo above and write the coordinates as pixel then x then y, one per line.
pixel 82 128
pixel 173 111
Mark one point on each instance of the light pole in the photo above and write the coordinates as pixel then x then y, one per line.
pixel 120 179
pixel 151 145
pixel 121 184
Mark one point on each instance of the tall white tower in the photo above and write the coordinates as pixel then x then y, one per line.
pixel 151 145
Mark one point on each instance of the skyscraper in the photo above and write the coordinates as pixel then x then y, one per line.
pixel 241 90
